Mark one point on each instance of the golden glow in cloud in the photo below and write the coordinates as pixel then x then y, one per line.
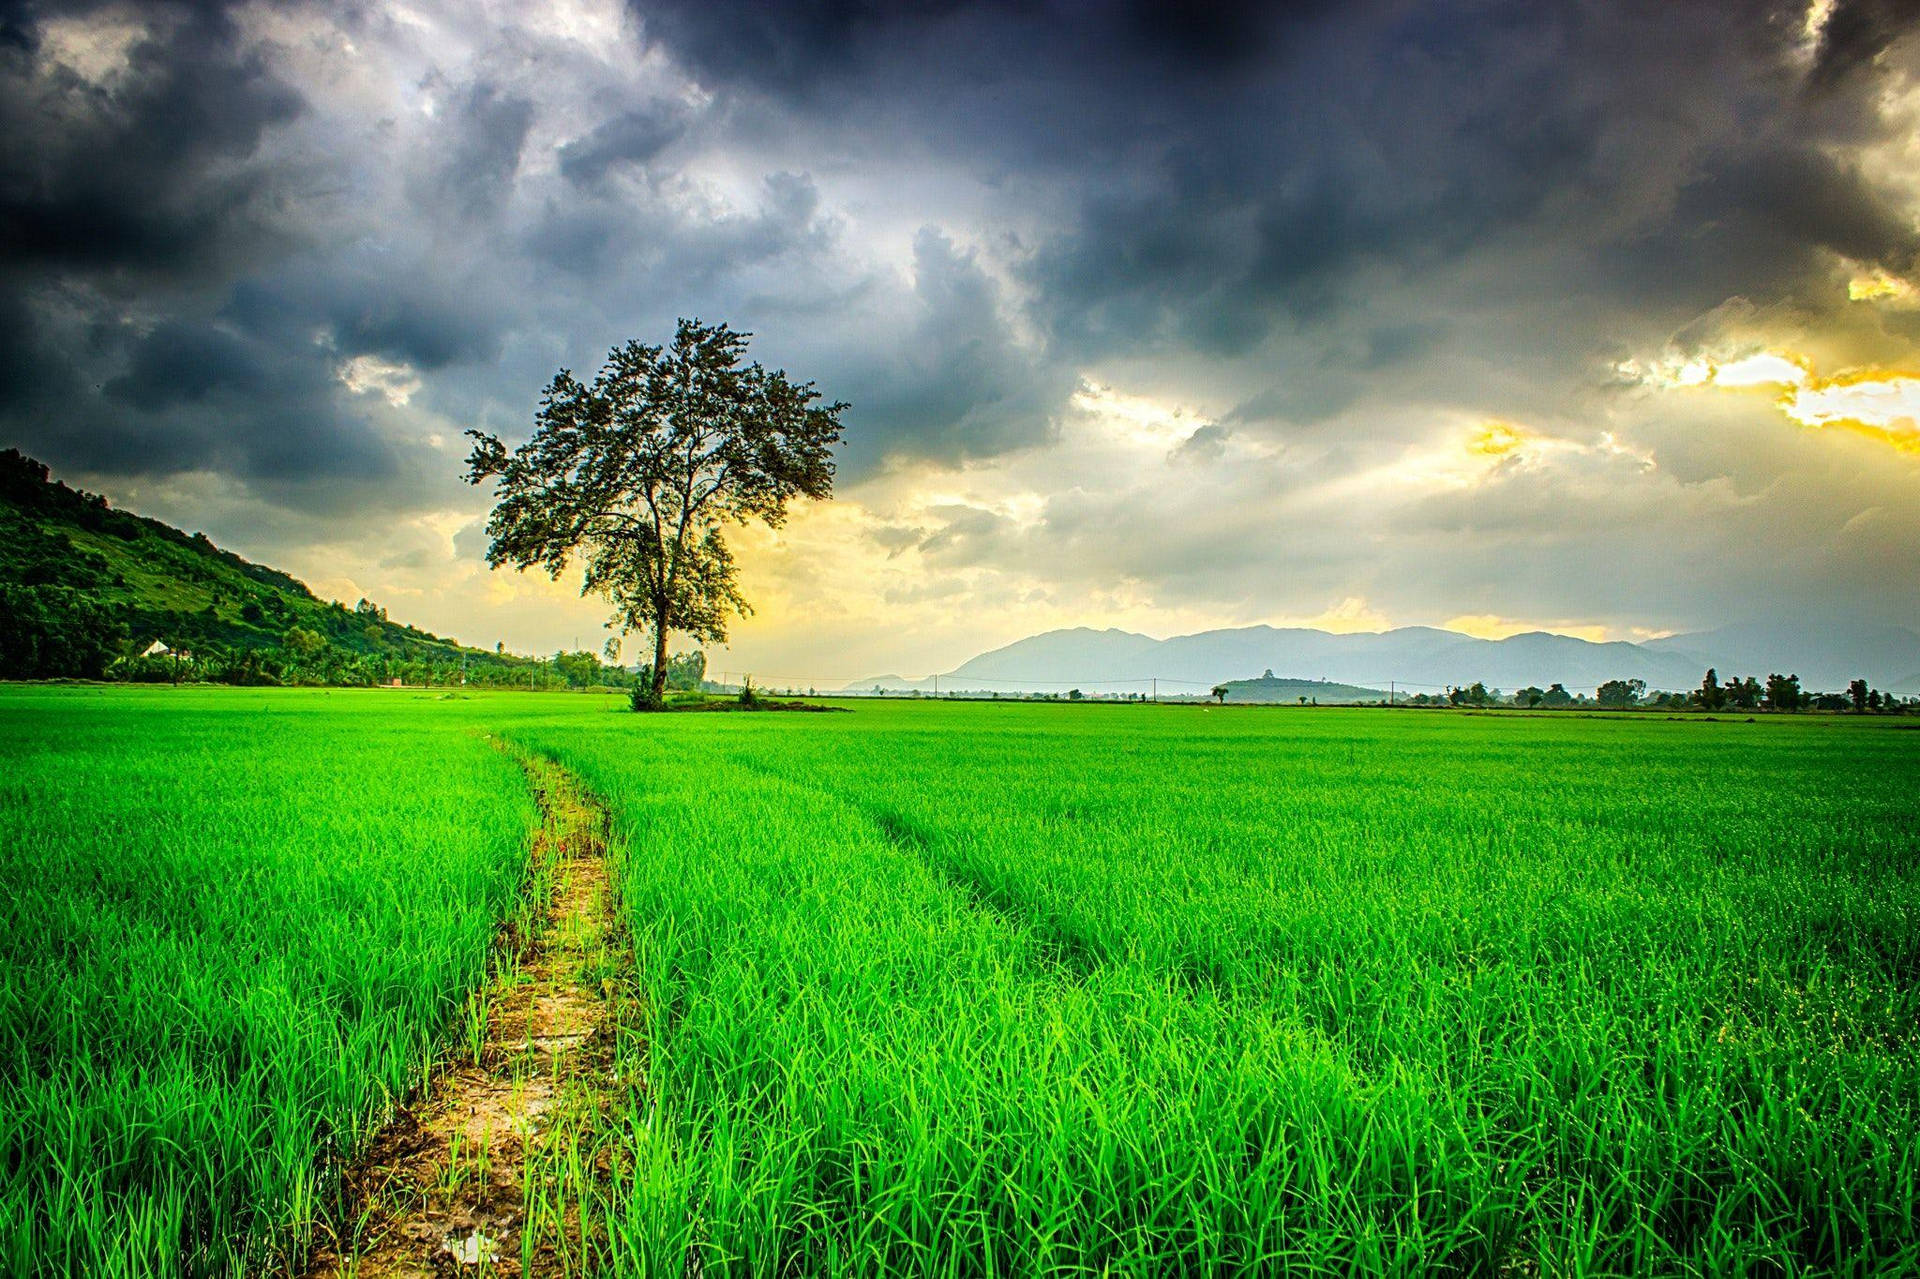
pixel 1351 616
pixel 1882 404
pixel 1489 626
pixel 1497 439
pixel 1884 407
pixel 1878 286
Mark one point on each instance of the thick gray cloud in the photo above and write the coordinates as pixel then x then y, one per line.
pixel 148 175
pixel 294 245
pixel 635 137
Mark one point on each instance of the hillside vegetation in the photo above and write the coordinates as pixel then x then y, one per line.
pixel 86 589
pixel 1274 688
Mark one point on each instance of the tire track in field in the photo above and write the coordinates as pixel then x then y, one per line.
pixel 1064 950
pixel 1067 955
pixel 484 1174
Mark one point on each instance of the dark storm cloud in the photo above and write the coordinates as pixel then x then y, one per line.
pixel 1856 32
pixel 486 132
pixel 147 175
pixel 1224 173
pixel 423 314
pixel 1759 223
pixel 946 212
pixel 837 48
pixel 124 205
pixel 196 394
pixel 633 137
pixel 958 386
pixel 178 363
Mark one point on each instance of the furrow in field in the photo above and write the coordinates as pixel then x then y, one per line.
pixel 482 1174
pixel 1070 948
pixel 1060 952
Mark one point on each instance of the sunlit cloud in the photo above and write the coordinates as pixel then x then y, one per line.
pixel 394 380
pixel 1755 369
pixel 1813 24
pixel 1878 286
pixel 1764 369
pixel 1137 420
pixel 1879 403
pixel 1885 408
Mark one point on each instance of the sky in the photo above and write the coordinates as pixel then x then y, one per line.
pixel 1602 318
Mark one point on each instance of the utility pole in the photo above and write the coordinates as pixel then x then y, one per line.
pixel 936 686
pixel 1156 688
pixel 1389 692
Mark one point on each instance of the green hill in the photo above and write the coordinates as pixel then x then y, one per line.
pixel 86 589
pixel 1272 688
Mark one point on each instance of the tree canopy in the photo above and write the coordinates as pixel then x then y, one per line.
pixel 637 473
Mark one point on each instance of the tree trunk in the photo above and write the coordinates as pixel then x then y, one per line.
pixel 658 695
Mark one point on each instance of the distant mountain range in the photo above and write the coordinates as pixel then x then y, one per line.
pixel 1423 658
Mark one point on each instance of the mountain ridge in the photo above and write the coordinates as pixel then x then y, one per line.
pixel 1429 658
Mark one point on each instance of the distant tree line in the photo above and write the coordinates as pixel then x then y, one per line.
pixel 1777 693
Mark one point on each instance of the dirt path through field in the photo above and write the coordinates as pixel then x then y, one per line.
pixel 486 1172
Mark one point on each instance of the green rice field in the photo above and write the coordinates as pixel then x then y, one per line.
pixel 977 989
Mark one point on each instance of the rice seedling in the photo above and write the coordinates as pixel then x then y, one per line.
pixel 980 990
pixel 233 929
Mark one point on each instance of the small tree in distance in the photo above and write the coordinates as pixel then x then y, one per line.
pixel 1618 694
pixel 637 473
pixel 1783 692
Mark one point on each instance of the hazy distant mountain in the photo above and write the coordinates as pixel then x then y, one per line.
pixel 1823 656
pixel 889 684
pixel 1423 658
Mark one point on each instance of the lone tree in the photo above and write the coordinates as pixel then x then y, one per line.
pixel 638 473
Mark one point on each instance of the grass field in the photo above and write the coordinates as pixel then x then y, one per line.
pixel 978 989
pixel 232 929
